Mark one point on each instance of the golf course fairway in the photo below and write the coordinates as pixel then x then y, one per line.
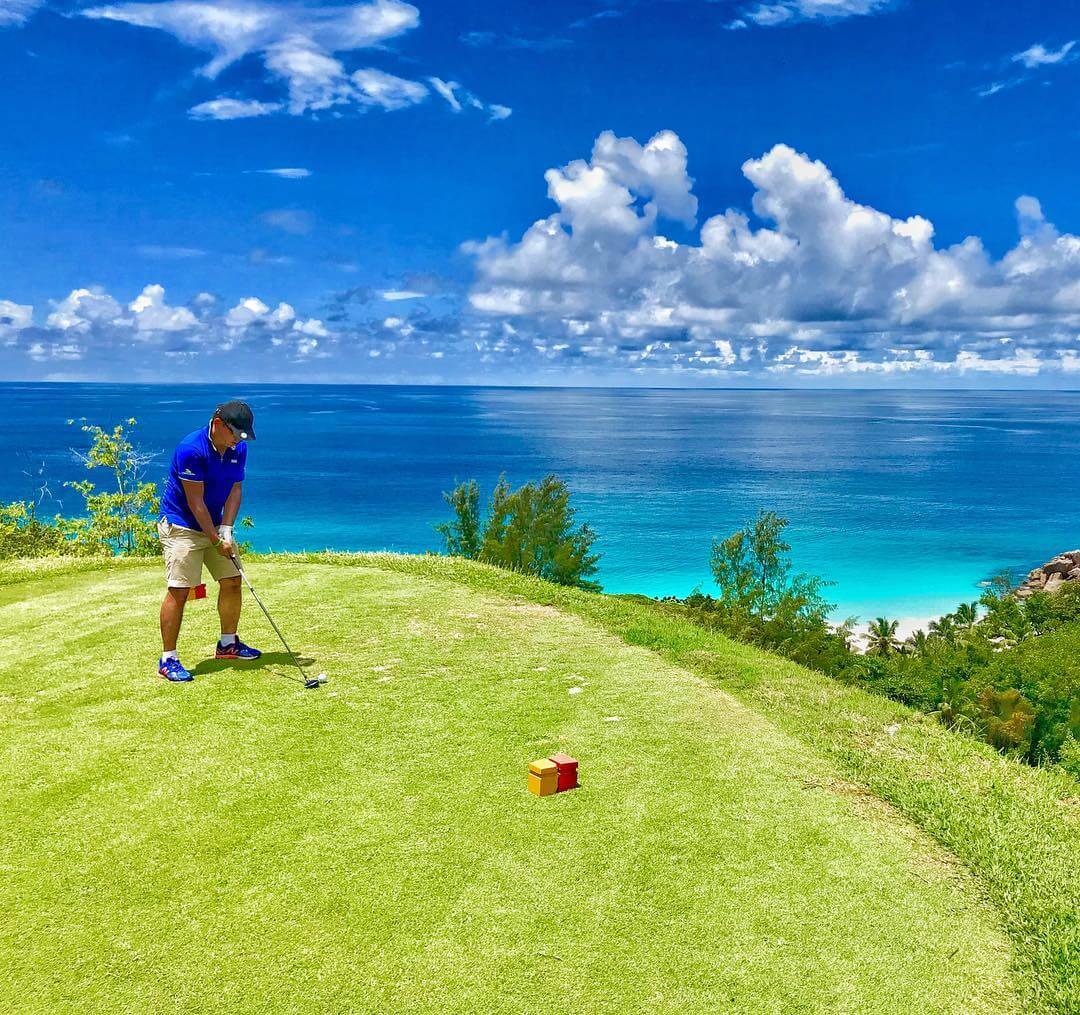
pixel 240 844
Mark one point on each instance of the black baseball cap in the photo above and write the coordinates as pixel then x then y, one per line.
pixel 237 417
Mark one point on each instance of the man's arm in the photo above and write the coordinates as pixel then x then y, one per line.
pixel 232 505
pixel 194 494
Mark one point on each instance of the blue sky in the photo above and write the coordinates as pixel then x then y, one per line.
pixel 653 192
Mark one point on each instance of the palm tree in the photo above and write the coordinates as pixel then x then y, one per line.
pixel 846 630
pixel 881 637
pixel 944 628
pixel 967 615
pixel 918 643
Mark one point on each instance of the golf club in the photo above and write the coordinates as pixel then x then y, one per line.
pixel 309 682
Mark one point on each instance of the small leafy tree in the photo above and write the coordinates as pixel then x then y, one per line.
pixel 530 529
pixel 120 519
pixel 462 534
pixel 752 569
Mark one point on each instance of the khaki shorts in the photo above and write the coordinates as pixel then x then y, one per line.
pixel 186 550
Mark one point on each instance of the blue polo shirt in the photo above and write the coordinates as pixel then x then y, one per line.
pixel 197 460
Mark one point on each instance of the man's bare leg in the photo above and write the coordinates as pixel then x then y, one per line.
pixel 229 601
pixel 172 613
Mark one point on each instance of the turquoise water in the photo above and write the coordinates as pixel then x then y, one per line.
pixel 906 500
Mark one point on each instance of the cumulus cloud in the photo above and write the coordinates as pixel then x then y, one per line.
pixel 151 313
pixel 252 310
pixel 81 309
pixel 823 283
pixel 90 322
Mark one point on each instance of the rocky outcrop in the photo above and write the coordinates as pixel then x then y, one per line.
pixel 1065 567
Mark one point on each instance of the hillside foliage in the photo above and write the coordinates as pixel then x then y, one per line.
pixel 1004 669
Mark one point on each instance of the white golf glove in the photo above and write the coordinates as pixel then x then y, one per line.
pixel 225 533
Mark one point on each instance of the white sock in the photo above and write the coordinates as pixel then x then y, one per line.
pixel 173 654
pixel 228 639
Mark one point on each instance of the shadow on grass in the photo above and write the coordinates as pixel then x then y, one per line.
pixel 280 661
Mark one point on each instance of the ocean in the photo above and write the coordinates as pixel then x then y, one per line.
pixel 905 500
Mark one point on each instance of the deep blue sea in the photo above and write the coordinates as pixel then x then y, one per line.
pixel 906 500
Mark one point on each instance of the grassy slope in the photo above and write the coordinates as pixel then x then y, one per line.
pixel 243 845
pixel 1017 829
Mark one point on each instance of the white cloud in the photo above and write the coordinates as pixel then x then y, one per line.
pixel 287 174
pixel 151 313
pixel 460 99
pixel 15 12
pixel 847 286
pixel 401 294
pixel 81 309
pixel 251 310
pixel 90 322
pixel 996 86
pixel 377 88
pixel 294 221
pixel 791 11
pixel 170 253
pixel 232 109
pixel 14 317
pixel 447 90
pixel 1039 56
pixel 313 328
pixel 298 46
pixel 230 30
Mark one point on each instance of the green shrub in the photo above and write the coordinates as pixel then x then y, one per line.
pixel 24 534
pixel 118 520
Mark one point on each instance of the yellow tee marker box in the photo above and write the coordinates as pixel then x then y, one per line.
pixel 543 777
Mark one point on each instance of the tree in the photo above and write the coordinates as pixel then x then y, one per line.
pixel 734 571
pixel 944 628
pixel 122 520
pixel 918 642
pixel 530 529
pixel 967 615
pixel 462 534
pixel 881 637
pixel 759 597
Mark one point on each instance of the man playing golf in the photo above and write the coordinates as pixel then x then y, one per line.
pixel 198 509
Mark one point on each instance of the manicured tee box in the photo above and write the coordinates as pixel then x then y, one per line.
pixel 543 777
pixel 198 592
pixel 567 769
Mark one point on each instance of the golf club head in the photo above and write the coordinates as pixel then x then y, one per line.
pixel 315 681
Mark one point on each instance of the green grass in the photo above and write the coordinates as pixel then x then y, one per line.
pixel 241 844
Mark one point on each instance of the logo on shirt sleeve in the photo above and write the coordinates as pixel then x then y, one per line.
pixel 187 472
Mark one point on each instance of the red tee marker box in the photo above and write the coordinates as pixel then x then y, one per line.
pixel 567 767
pixel 198 592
